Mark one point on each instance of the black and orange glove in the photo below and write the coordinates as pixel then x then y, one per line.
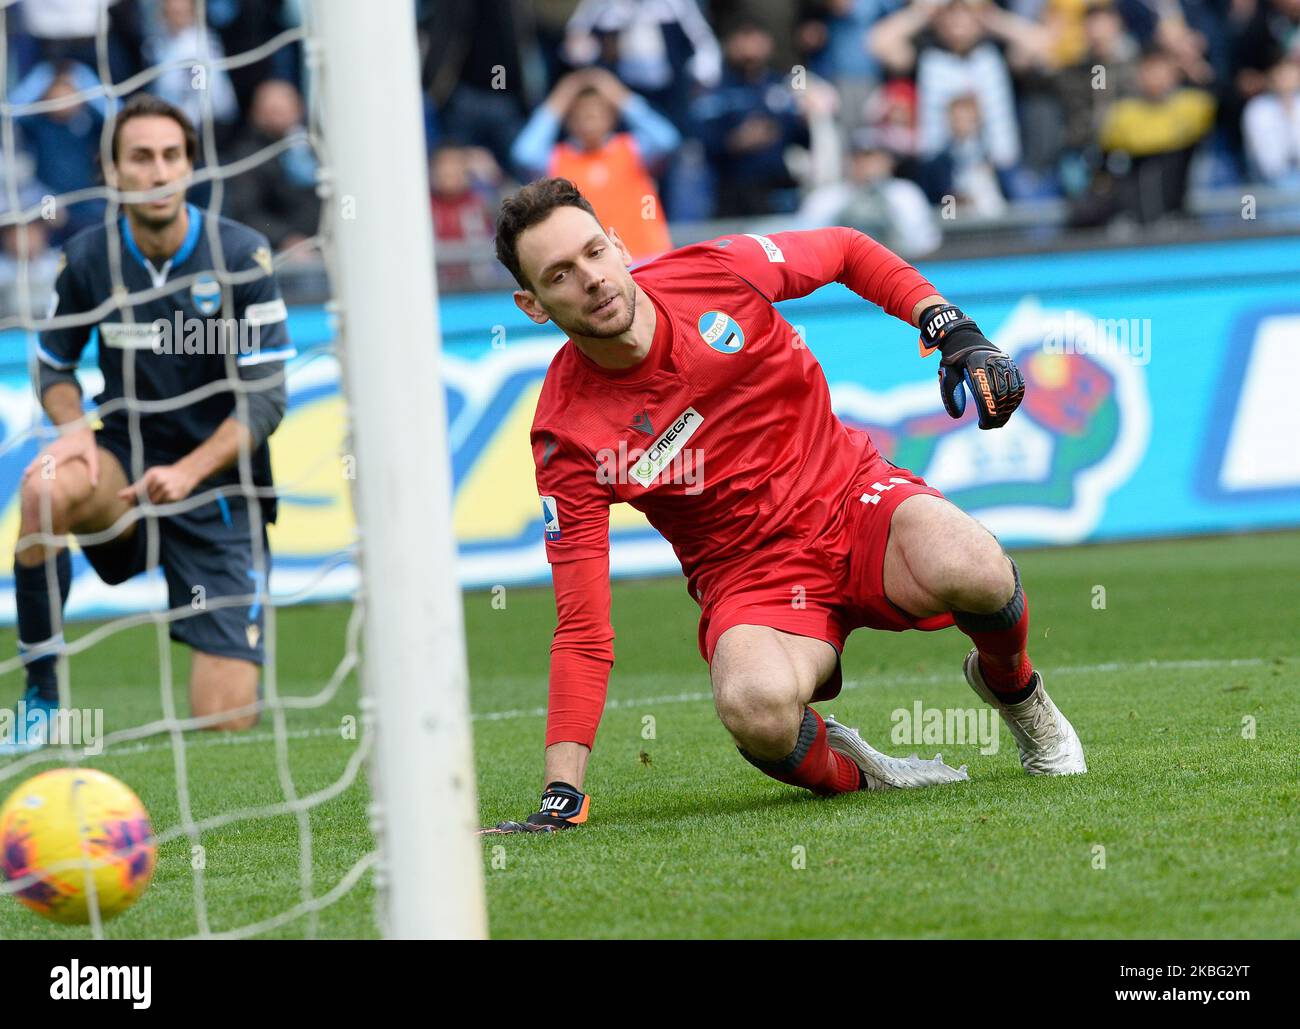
pixel 970 360
pixel 562 807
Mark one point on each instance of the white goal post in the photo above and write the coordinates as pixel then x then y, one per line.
pixel 414 671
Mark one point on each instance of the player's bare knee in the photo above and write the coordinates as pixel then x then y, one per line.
pixel 769 735
pixel 759 711
pixel 985 582
pixel 45 505
pixel 228 712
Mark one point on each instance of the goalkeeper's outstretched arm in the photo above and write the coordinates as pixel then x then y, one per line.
pixel 786 265
pixel 582 654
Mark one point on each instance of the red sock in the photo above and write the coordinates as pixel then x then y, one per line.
pixel 1004 661
pixel 812 764
pixel 1001 638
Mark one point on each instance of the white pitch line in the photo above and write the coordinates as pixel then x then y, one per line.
pixel 617 703
pixel 212 740
pixel 904 680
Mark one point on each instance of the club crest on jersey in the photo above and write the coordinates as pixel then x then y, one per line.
pixel 206 294
pixel 720 331
pixel 262 257
pixel 551 518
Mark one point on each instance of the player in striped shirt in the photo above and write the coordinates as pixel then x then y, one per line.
pixel 193 361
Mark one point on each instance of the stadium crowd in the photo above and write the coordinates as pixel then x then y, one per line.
pixel 892 115
pixel 54 55
pixel 895 116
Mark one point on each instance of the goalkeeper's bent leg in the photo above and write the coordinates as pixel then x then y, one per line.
pixel 1001 637
pixel 811 764
pixel 940 559
pixel 761 688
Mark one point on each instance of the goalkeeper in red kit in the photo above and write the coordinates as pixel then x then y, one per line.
pixel 683 392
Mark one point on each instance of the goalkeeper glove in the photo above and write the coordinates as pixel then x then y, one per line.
pixel 562 807
pixel 970 360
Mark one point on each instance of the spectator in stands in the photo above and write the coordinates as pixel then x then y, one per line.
pixel 645 45
pixel 833 36
pixel 972 178
pixel 611 168
pixel 747 124
pixel 462 215
pixel 195 86
pixel 42 260
pixel 1106 69
pixel 64 142
pixel 833 33
pixel 68 31
pixel 872 198
pixel 779 17
pixel 277 196
pixel 34 235
pixel 478 56
pixel 1149 140
pixel 64 31
pixel 960 59
pixel 891 114
pixel 1264 33
pixel 818 104
pixel 1271 126
pixel 550 19
pixel 245 25
pixel 1257 34
pixel 1186 46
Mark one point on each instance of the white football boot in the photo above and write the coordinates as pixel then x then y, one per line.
pixel 1047 741
pixel 882 772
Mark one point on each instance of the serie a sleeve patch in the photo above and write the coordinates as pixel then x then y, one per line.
pixel 774 254
pixel 551 518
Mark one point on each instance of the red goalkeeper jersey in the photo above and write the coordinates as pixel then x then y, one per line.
pixel 723 436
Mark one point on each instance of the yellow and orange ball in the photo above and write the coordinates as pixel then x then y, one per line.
pixel 69 828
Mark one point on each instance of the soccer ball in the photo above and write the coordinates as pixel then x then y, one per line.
pixel 72 827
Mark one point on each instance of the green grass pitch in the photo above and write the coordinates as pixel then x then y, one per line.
pixel 1198 821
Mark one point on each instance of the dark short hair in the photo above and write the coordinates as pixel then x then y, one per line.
pixel 744 23
pixel 526 208
pixel 1155 52
pixel 147 105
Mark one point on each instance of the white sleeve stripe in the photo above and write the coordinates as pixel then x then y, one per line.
pixel 262 356
pixel 54 362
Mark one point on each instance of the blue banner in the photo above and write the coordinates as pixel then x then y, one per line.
pixel 1158 403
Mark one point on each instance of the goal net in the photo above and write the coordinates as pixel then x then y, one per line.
pixel 349 808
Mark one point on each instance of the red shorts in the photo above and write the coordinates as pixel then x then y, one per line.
pixel 831 586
